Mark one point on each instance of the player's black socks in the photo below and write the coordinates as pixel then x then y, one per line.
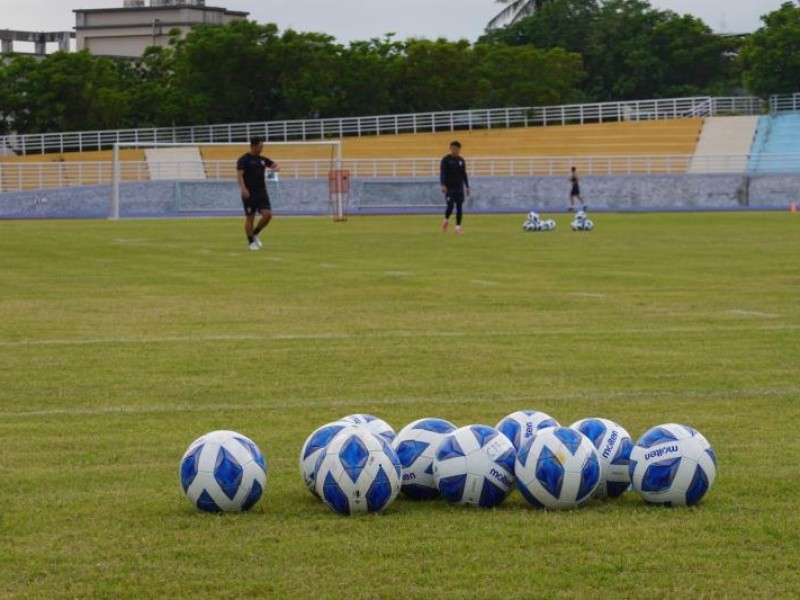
pixel 257 230
pixel 250 239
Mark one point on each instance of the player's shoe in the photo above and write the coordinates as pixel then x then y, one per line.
pixel 570 209
pixel 445 225
pixel 458 230
pixel 254 246
pixel 257 242
pixel 584 208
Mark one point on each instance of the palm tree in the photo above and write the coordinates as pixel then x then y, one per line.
pixel 514 11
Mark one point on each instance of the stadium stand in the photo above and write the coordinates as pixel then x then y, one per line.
pixel 559 146
pixel 38 171
pixel 724 145
pixel 777 144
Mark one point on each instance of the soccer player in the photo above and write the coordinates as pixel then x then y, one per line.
pixel 575 192
pixel 250 171
pixel 454 180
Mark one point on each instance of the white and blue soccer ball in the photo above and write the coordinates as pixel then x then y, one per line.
pixel 373 424
pixel 548 225
pixel 313 446
pixel 474 466
pixel 519 426
pixel 557 468
pixel 533 222
pixel 223 471
pixel 614 445
pixel 357 472
pixel 582 222
pixel 416 446
pixel 673 464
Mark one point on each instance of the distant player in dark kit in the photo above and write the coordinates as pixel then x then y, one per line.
pixel 455 183
pixel 250 173
pixel 575 192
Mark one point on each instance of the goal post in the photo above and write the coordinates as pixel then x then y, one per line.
pixel 198 162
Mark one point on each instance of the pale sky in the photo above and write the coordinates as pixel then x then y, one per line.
pixel 349 20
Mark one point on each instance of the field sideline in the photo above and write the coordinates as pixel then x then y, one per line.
pixel 121 342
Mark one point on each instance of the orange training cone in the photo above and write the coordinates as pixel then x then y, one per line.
pixel 793 207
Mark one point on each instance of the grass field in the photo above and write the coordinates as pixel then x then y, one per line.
pixel 120 343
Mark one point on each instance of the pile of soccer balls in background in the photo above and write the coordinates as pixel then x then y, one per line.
pixel 359 464
pixel 533 222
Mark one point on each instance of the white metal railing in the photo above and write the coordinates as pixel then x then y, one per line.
pixel 16 176
pixel 778 104
pixel 639 110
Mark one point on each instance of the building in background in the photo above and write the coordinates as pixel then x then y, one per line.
pixel 128 30
pixel 39 39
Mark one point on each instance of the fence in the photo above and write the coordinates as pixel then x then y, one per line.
pixel 287 131
pixel 44 175
pixel 779 104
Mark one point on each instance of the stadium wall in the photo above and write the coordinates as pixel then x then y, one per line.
pixel 407 195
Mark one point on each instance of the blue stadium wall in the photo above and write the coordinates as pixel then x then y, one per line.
pixel 399 196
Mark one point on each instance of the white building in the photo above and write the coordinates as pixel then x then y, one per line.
pixel 127 31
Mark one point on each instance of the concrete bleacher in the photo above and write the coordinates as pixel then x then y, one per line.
pixel 724 145
pixel 63 169
pixel 606 139
pixel 567 143
pixel 777 144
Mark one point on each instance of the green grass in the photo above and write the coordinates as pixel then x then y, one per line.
pixel 120 343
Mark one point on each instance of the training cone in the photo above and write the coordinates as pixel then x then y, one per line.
pixel 793 207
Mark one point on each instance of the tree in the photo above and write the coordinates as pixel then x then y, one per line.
pixel 629 49
pixel 525 76
pixel 770 58
pixel 515 10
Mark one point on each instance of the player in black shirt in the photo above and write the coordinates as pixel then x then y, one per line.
pixel 575 192
pixel 454 180
pixel 250 173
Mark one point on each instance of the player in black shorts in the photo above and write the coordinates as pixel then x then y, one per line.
pixel 575 192
pixel 454 180
pixel 250 173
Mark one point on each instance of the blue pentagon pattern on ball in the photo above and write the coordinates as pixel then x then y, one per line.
pixel 614 445
pixel 519 426
pixel 314 444
pixel 357 472
pixel 416 446
pixel 557 468
pixel 673 465
pixel 223 471
pixel 474 466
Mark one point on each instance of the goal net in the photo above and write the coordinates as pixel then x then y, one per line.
pixel 150 178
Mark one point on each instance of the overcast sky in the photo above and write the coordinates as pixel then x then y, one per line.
pixel 348 20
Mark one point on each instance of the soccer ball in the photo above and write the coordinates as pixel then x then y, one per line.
pixel 358 472
pixel 372 424
pixel 557 468
pixel 416 446
pixel 672 464
pixel 474 466
pixel 613 446
pixel 314 444
pixel 588 225
pixel 521 425
pixel 223 471
pixel 550 224
pixel 528 226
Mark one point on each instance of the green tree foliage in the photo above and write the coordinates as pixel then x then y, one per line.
pixel 770 57
pixel 629 49
pixel 250 72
